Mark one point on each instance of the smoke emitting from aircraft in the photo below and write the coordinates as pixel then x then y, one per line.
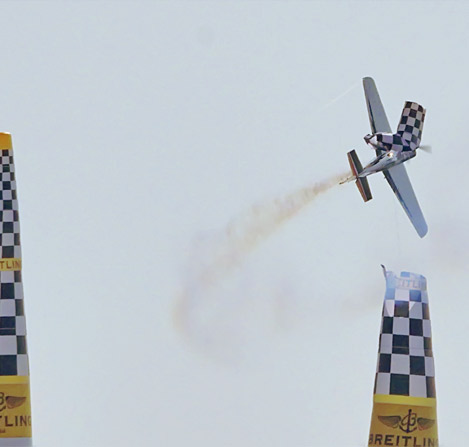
pixel 214 261
pixel 244 233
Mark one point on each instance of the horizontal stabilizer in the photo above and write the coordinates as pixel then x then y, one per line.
pixel 364 188
pixel 362 182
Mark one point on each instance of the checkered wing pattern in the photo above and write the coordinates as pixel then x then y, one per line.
pixel 411 124
pixel 13 351
pixel 405 359
pixel 392 142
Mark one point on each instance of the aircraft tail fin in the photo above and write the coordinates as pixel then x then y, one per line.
pixel 361 182
pixel 411 124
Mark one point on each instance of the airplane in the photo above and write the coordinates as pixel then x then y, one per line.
pixel 392 150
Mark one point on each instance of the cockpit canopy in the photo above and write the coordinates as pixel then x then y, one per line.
pixel 371 139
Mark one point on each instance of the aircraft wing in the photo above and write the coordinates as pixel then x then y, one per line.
pixel 378 120
pixel 397 175
pixel 399 181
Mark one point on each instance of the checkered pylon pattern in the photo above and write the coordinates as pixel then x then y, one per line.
pixel 13 351
pixel 405 359
pixel 411 124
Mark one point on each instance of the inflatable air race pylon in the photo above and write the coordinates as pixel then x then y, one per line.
pixel 15 404
pixel 404 401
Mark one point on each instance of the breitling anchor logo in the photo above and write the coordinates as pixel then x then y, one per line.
pixel 10 401
pixel 409 423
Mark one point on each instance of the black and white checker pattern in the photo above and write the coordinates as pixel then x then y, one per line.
pixel 10 227
pixel 392 142
pixel 13 350
pixel 411 124
pixel 405 360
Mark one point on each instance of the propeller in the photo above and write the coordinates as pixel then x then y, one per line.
pixel 426 148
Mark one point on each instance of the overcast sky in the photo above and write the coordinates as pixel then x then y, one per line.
pixel 141 130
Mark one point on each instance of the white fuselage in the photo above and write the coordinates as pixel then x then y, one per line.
pixel 393 151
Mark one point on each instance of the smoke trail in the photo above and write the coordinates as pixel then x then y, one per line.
pixel 201 299
pixel 246 232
